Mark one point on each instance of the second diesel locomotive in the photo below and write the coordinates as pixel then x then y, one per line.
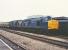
pixel 62 25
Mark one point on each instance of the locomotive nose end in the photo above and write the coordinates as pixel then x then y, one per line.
pixel 53 24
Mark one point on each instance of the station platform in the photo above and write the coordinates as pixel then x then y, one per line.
pixel 4 46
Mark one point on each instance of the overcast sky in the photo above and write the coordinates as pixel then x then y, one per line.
pixel 21 9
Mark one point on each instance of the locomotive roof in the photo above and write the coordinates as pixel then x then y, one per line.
pixel 37 17
pixel 61 18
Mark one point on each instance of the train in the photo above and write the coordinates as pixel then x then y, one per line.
pixel 41 25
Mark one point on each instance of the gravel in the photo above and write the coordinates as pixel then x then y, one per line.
pixel 28 43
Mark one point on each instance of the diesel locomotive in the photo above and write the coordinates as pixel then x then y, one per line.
pixel 37 25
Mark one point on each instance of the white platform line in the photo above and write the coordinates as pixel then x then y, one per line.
pixel 6 44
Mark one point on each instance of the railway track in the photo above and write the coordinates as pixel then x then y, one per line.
pixel 13 45
pixel 51 40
